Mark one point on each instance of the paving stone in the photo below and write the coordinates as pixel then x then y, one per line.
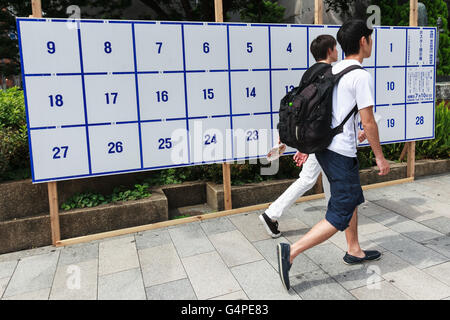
pixel 75 281
pixel 218 225
pixel 18 255
pixel 317 285
pixel 260 281
pixel 388 218
pixel 440 272
pixel 174 290
pixel 234 248
pixel 340 241
pixel 441 245
pixel 292 228
pixel 161 264
pixel 209 275
pixel 124 285
pixel 370 209
pixel 413 212
pixel 368 274
pixel 33 274
pixel 238 295
pixel 415 253
pixel 190 239
pixel 3 283
pixel 152 238
pixel 41 294
pixel 77 254
pixel 367 225
pixel 7 268
pixel 117 255
pixel 329 258
pixel 294 211
pixel 380 291
pixel 415 231
pixel 312 215
pixel 414 282
pixel 250 226
pixel 441 224
pixel 268 248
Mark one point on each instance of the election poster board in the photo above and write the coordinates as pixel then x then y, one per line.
pixel 112 96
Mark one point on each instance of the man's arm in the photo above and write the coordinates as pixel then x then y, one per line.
pixel 371 132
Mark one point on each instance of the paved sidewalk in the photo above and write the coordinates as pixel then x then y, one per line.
pixel 234 258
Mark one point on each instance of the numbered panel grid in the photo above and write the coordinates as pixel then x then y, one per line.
pixel 106 96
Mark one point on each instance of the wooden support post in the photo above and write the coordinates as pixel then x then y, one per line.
pixel 318 11
pixel 411 146
pixel 226 169
pixel 36 8
pixel 54 212
pixel 52 188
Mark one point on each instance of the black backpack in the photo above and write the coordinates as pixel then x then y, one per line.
pixel 306 111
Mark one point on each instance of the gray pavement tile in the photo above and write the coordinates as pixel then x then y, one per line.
pixel 317 285
pixel 190 239
pixel 380 291
pixel 250 226
pixel 415 231
pixel 388 218
pixel 124 285
pixel 77 254
pixel 234 248
pixel 441 245
pixel 312 215
pixel 41 294
pixel 268 248
pixel 217 225
pixel 174 290
pixel 3 283
pixel 340 241
pixel 294 211
pixel 32 274
pixel 414 282
pixel 152 238
pixel 367 225
pixel 76 281
pixel 7 268
pixel 415 253
pixel 28 253
pixel 292 227
pixel 161 264
pixel 440 272
pixel 368 274
pixel 441 224
pixel 370 209
pixel 260 281
pixel 206 269
pixel 117 255
pixel 413 212
pixel 329 258
pixel 238 295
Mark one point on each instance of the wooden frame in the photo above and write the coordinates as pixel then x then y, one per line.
pixel 53 191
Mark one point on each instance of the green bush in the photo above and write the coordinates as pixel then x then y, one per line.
pixel 14 154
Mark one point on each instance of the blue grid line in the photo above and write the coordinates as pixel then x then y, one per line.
pixel 84 98
pixel 43 128
pixel 270 83
pixel 406 83
pixel 375 71
pixel 185 92
pixel 229 90
pixel 136 82
pixel 36 74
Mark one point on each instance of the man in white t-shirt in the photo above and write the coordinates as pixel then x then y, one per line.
pixel 339 161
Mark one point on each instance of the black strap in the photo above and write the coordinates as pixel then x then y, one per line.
pixel 339 75
pixel 340 128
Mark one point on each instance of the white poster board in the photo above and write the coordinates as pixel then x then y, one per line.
pixel 108 96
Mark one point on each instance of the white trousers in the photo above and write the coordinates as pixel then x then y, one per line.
pixel 307 179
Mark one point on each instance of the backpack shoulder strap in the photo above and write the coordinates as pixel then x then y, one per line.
pixel 339 75
pixel 340 128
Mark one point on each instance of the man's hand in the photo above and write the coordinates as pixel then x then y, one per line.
pixel 383 165
pixel 361 136
pixel 300 158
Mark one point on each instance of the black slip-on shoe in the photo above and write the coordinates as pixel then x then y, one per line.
pixel 271 227
pixel 371 255
pixel 283 254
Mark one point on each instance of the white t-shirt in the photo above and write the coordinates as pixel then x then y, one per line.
pixel 355 87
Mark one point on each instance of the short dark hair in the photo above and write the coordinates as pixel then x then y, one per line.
pixel 350 33
pixel 320 45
